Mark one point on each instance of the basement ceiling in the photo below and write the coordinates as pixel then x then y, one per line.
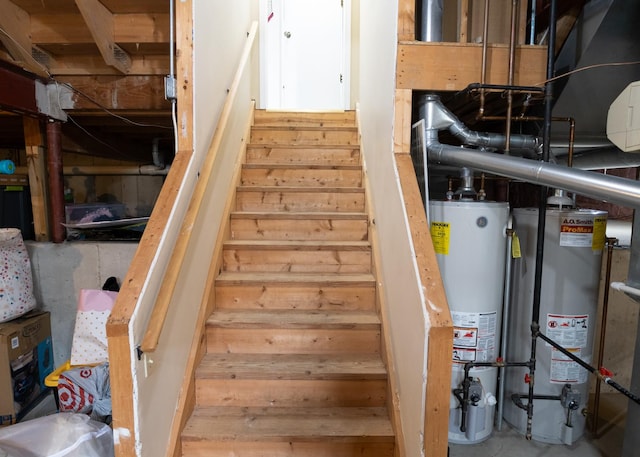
pixel 109 56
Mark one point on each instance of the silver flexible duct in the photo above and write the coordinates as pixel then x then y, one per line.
pixel 622 191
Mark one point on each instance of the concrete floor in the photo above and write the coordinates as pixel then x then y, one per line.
pixel 510 443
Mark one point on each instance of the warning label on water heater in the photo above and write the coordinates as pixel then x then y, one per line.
pixel 583 232
pixel 440 234
pixel 568 330
pixel 564 370
pixel 571 332
pixel 474 337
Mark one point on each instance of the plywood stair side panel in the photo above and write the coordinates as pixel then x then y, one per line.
pixel 293 363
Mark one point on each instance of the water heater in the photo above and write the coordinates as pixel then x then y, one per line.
pixel 470 240
pixel 574 241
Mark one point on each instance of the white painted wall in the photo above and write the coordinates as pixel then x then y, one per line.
pixel 407 318
pixel 220 33
pixel 61 270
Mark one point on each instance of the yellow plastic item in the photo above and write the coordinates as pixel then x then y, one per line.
pixel 52 379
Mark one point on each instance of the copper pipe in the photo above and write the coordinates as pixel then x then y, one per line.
pixel 56 182
pixel 572 138
pixel 512 58
pixel 603 330
pixel 483 72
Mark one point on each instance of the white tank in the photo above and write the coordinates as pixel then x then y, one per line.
pixel 574 240
pixel 470 241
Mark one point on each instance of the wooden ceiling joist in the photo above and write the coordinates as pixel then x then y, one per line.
pixel 15 25
pixel 101 25
pixel 118 93
pixel 72 29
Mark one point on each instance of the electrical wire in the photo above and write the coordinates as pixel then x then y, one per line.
pixel 79 92
pixel 588 67
pixel 106 110
pixel 89 134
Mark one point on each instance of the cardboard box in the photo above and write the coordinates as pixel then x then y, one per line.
pixel 26 358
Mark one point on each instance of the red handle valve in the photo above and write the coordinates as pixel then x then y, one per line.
pixel 527 378
pixel 606 373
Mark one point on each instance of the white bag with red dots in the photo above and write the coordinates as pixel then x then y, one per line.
pixel 16 282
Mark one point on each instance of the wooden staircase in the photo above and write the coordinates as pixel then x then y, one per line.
pixel 293 363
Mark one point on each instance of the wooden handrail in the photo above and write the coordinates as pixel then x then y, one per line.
pixel 167 289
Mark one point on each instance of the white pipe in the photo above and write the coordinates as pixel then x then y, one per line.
pixel 116 170
pixel 622 287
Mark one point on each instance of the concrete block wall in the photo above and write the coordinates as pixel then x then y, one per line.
pixel 61 270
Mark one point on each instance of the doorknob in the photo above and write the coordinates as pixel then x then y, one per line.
pixel 287 34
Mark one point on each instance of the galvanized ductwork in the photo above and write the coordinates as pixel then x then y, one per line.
pixel 431 21
pixel 622 191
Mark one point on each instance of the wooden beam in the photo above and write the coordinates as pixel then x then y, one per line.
pixel 72 29
pixel 120 318
pixel 406 20
pixel 184 74
pixel 440 336
pixel 463 22
pixel 14 35
pixel 118 93
pixel 87 65
pixel 101 25
pixel 34 146
pixel 453 66
pixel 402 127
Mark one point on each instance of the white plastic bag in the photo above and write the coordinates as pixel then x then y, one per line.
pixel 58 435
pixel 86 390
pixel 16 282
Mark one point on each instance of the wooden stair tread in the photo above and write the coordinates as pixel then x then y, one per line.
pixel 241 278
pixel 320 119
pixel 302 128
pixel 291 366
pixel 300 166
pixel 293 319
pixel 310 147
pixel 300 189
pixel 320 245
pixel 289 424
pixel 296 215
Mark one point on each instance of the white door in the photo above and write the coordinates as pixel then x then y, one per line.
pixel 305 54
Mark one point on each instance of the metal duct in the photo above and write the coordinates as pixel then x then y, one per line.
pixel 622 191
pixel 603 187
pixel 431 21
pixel 438 117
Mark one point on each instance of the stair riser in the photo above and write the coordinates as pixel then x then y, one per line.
pixel 275 119
pixel 274 296
pixel 349 202
pixel 302 177
pixel 291 393
pixel 288 449
pixel 292 341
pixel 273 137
pixel 299 155
pixel 299 229
pixel 296 261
